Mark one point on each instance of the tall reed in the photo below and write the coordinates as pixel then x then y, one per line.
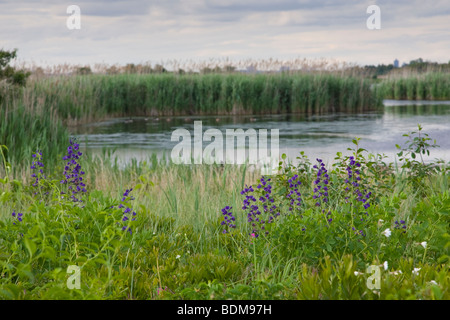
pixel 429 86
pixel 27 126
pixel 79 99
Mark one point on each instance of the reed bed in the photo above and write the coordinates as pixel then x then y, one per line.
pixel 27 126
pixel 36 117
pixel 429 86
pixel 83 98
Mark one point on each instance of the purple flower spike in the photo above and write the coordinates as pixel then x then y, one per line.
pixel 72 171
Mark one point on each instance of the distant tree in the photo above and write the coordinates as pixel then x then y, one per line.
pixel 229 69
pixel 159 69
pixel 130 68
pixel 84 70
pixel 217 69
pixel 145 69
pixel 8 73
pixel 206 70
pixel 112 70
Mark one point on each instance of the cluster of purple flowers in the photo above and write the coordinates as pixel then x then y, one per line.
pixel 400 225
pixel 353 182
pixel 361 232
pixel 228 217
pixel 328 216
pixel 72 171
pixel 37 163
pixel 127 212
pixel 266 201
pixel 18 216
pixel 248 198
pixel 296 199
pixel 354 178
pixel 321 184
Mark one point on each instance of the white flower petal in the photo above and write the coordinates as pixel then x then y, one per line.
pixel 387 233
pixel 424 244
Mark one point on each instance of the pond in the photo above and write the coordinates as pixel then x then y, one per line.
pixel 319 136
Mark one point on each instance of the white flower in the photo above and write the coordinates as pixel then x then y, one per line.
pixel 358 273
pixel 178 257
pixel 433 282
pixel 385 265
pixel 396 273
pixel 424 244
pixel 387 233
pixel 416 271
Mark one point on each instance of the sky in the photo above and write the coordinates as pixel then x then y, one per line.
pixel 135 31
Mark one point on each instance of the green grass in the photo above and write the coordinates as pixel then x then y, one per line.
pixel 178 250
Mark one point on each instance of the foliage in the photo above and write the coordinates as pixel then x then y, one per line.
pixel 306 242
pixel 8 73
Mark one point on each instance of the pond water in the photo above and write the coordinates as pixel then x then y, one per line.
pixel 319 136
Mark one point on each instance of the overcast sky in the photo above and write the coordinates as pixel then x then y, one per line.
pixel 120 32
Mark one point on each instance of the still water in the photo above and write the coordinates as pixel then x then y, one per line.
pixel 319 136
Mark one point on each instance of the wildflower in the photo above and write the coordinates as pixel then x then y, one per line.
pixel 72 171
pixel 387 233
pixel 424 244
pixel 254 215
pixel 294 199
pixel 126 212
pixel 358 273
pixel 416 271
pixel 37 164
pixel 400 225
pixel 321 183
pixel 385 265
pixel 178 256
pixel 18 216
pixel 396 273
pixel 228 218
pixel 433 282
pixel 353 179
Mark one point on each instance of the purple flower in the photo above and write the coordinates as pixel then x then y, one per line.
pixel 320 191
pixel 294 195
pixel 228 218
pixel 72 171
pixel 37 163
pixel 126 212
pixel 17 216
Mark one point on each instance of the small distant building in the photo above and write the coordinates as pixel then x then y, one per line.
pixel 396 64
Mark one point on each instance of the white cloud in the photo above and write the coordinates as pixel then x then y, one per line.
pixel 135 31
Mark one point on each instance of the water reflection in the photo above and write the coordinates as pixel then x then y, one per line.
pixel 318 135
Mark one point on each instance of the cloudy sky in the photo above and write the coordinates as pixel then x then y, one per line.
pixel 136 31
